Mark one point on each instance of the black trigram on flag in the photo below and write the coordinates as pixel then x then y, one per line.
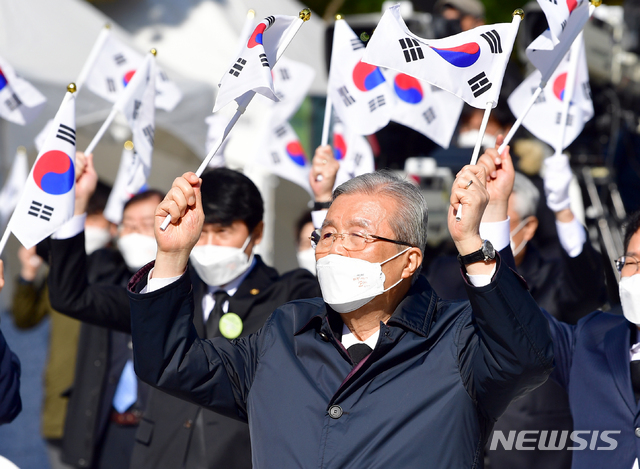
pixel 67 134
pixel 493 38
pixel 429 115
pixel 569 119
pixel 280 95
pixel 40 210
pixel 237 67
pixel 280 131
pixel 163 76
pixel 264 60
pixel 356 44
pixel 270 20
pixel 284 74
pixel 586 89
pixel 479 84
pixel 411 49
pixel 346 97
pixel 555 2
pixel 376 103
pixel 148 132
pixel 136 108
pixel 120 59
pixel 435 89
pixel 563 24
pixel 111 85
pixel 357 159
pixel 275 157
pixel 13 102
pixel 541 98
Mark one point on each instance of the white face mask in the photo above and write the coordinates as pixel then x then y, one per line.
pixel 518 249
pixel 348 283
pixel 95 238
pixel 307 260
pixel 218 265
pixel 137 249
pixel 468 139
pixel 629 288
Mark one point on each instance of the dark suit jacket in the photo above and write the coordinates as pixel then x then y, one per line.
pixel 10 403
pixel 79 286
pixel 592 364
pixel 174 433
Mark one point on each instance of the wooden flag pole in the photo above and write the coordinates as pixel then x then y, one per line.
pixel 244 100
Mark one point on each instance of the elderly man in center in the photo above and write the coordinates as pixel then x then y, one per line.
pixel 377 373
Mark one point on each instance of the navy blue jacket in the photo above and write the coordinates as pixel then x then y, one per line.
pixel 593 365
pixel 427 396
pixel 10 403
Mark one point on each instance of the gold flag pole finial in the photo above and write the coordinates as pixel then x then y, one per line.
pixel 251 13
pixel 338 17
pixel 154 51
pixel 518 12
pixel 71 88
pixel 128 145
pixel 305 14
pixel 107 26
pixel 22 149
pixel 596 3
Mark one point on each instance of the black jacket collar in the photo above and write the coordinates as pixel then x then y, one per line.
pixel 415 312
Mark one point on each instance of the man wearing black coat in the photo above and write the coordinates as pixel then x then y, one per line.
pixel 173 433
pixel 381 373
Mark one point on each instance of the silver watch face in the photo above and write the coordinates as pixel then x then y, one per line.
pixel 488 250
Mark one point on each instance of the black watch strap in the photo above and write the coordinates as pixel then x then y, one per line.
pixel 321 205
pixel 485 253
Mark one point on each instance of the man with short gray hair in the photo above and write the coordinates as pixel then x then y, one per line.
pixel 378 372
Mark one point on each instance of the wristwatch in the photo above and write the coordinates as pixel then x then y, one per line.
pixel 485 253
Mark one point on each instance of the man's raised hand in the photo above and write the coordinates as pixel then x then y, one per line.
pixel 322 177
pixel 500 177
pixel 183 202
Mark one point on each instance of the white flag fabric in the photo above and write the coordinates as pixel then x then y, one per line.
pixel 353 152
pixel 47 201
pixel 470 65
pixel 424 107
pixel 544 118
pixel 545 54
pixel 20 102
pixel 13 185
pixel 251 70
pixel 291 82
pixel 114 68
pixel 557 13
pixel 359 94
pixel 282 154
pixel 137 105
pixel 119 194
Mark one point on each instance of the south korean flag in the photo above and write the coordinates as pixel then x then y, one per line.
pixel 282 154
pixel 114 69
pixel 544 119
pixel 353 152
pixel 20 101
pixel 557 13
pixel 360 95
pixel 250 71
pixel 470 65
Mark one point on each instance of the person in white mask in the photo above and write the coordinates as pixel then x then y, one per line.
pixel 598 363
pixel 378 372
